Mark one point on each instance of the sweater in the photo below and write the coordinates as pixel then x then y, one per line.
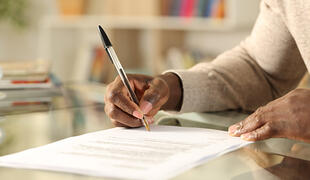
pixel 269 63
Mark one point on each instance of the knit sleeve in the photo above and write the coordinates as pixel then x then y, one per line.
pixel 266 65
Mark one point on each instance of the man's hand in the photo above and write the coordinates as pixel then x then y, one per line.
pixel 154 93
pixel 287 117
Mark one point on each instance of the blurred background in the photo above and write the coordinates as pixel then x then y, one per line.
pixel 149 36
pixel 55 68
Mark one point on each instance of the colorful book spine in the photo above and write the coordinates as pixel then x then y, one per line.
pixel 175 8
pixel 219 11
pixel 194 8
pixel 200 8
pixel 187 8
pixel 208 10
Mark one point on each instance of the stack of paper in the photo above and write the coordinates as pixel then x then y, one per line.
pixel 128 153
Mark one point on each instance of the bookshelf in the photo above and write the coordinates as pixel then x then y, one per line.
pixel 143 23
pixel 153 31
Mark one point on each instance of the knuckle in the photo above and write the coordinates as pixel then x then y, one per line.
pixel 154 95
pixel 270 128
pixel 259 110
pixel 259 115
pixel 256 135
pixel 112 112
pixel 113 96
pixel 259 118
pixel 114 122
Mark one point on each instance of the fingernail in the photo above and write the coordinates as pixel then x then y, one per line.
pixel 137 114
pixel 247 137
pixel 234 129
pixel 146 107
pixel 150 119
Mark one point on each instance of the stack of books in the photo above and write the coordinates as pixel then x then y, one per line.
pixel 24 74
pixel 25 86
pixel 193 8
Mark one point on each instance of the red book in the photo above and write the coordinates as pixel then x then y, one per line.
pixel 187 8
pixel 29 82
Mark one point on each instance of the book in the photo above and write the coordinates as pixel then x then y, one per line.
pixel 165 7
pixel 36 70
pixel 187 8
pixel 175 8
pixel 219 9
pixel 209 7
pixel 28 84
pixel 200 8
pixel 25 74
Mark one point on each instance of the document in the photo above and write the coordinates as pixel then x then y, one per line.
pixel 162 153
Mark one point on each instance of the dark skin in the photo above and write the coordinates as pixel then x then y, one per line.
pixel 155 93
pixel 286 117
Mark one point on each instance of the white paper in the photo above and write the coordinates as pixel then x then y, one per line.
pixel 128 153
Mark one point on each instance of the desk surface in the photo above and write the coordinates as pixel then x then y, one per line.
pixel 271 159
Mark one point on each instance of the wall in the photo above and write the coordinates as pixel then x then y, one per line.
pixel 21 44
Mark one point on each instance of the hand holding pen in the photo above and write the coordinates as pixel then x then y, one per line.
pixel 131 99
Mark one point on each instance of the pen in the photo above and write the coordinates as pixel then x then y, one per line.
pixel 114 59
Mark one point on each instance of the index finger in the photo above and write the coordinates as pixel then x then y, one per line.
pixel 252 122
pixel 118 96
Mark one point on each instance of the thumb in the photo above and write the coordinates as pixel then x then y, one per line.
pixel 149 100
pixel 154 97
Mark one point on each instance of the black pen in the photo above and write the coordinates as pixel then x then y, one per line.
pixel 114 59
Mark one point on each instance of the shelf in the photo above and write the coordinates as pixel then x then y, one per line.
pixel 142 23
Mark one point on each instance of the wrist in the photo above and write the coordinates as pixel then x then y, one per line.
pixel 174 84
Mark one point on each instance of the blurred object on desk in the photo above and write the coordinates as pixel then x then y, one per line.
pixel 25 74
pixel 36 70
pixel 27 100
pixel 40 100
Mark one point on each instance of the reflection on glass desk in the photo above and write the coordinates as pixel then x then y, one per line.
pixel 81 110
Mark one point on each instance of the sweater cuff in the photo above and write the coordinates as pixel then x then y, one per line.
pixel 190 101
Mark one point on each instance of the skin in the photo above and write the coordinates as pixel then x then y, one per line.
pixel 286 117
pixel 155 93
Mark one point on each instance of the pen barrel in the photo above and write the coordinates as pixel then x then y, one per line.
pixel 127 84
pixel 122 74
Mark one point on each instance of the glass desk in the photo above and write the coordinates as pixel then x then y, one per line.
pixel 80 111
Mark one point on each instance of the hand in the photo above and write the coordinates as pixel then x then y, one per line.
pixel 154 93
pixel 287 117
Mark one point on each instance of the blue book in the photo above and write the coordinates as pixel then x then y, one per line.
pixel 209 7
pixel 175 8
pixel 200 9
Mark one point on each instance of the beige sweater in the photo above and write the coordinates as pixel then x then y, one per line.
pixel 265 66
